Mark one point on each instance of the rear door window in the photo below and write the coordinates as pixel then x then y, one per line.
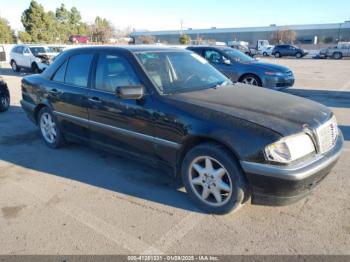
pixel 78 69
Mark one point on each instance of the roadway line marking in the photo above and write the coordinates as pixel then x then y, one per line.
pixel 118 236
pixel 177 232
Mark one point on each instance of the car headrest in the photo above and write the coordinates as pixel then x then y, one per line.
pixel 153 65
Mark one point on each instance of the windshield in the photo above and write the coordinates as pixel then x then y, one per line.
pixel 55 49
pixel 37 50
pixel 238 56
pixel 176 72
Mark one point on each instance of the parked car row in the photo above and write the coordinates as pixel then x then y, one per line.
pixel 171 108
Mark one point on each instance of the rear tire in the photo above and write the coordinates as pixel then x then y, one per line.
pixel 49 129
pixel 337 55
pixel 264 54
pixel 278 55
pixel 213 179
pixel 14 66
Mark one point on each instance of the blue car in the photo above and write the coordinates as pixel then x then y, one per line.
pixel 242 68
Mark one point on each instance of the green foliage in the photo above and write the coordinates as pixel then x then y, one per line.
pixel 24 37
pixel 185 40
pixel 37 23
pixel 6 33
pixel 50 27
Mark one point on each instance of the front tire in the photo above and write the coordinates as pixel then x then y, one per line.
pixel 49 129
pixel 4 100
pixel 251 79
pixel 298 55
pixel 35 69
pixel 214 179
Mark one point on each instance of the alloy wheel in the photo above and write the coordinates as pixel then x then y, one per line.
pixel 210 181
pixel 48 128
pixel 5 101
pixel 250 80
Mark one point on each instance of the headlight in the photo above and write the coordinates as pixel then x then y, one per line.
pixel 273 73
pixel 290 148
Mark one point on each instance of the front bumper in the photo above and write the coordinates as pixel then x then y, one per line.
pixel 279 82
pixel 283 185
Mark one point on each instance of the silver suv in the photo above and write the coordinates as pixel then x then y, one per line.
pixel 35 58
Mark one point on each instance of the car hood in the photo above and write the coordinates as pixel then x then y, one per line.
pixel 283 113
pixel 268 66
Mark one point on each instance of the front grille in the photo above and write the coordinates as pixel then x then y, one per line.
pixel 327 135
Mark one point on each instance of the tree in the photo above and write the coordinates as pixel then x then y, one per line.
pixel 147 39
pixel 77 26
pixel 24 37
pixel 69 22
pixel 37 23
pixel 285 36
pixel 101 30
pixel 6 33
pixel 185 40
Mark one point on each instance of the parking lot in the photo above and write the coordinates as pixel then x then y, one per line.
pixel 78 200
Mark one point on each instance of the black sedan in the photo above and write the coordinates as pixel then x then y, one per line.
pixel 170 107
pixel 241 68
pixel 288 50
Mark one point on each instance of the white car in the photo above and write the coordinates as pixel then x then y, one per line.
pixel 266 51
pixel 35 58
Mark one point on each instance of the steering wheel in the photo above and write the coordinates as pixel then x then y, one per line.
pixel 191 78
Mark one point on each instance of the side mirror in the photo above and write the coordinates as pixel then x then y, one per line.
pixel 130 92
pixel 227 62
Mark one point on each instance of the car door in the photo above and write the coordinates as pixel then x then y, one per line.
pixel 26 58
pixel 18 55
pixel 291 51
pixel 67 94
pixel 116 123
pixel 217 59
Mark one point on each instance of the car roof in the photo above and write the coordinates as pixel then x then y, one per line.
pixel 130 48
pixel 210 46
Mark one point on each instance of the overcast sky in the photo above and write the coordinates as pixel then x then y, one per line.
pixel 167 14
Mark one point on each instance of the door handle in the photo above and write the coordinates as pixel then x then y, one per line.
pixel 95 100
